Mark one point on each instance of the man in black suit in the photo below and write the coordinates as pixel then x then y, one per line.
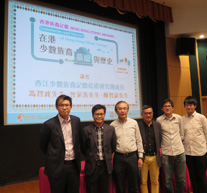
pixel 60 141
pixel 151 138
pixel 98 145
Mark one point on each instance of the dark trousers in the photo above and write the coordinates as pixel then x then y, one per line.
pixel 176 164
pixel 68 182
pixel 125 168
pixel 99 181
pixel 197 171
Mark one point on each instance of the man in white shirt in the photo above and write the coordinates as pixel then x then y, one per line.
pixel 195 139
pixel 173 156
pixel 129 150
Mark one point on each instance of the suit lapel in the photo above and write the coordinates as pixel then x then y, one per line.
pixel 104 134
pixel 59 129
pixel 73 128
pixel 143 131
pixel 155 131
pixel 93 131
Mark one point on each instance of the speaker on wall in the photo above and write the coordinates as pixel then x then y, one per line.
pixel 185 46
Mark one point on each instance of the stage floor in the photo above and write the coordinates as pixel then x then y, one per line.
pixel 24 187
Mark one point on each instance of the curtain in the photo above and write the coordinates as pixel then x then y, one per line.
pixel 142 8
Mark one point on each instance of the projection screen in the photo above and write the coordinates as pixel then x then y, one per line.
pixel 52 50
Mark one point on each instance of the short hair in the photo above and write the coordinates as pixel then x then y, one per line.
pixel 97 107
pixel 63 97
pixel 190 100
pixel 121 102
pixel 147 107
pixel 166 101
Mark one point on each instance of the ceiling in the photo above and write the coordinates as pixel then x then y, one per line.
pixel 182 3
pixel 183 6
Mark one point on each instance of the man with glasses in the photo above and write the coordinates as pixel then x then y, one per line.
pixel 129 150
pixel 60 141
pixel 173 156
pixel 98 145
pixel 151 137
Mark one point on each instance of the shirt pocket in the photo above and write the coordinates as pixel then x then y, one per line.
pixel 130 134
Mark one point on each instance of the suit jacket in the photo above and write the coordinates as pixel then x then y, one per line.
pixel 158 138
pixel 89 147
pixel 52 144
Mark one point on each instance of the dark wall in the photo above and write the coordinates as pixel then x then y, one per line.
pixel 195 81
pixel 20 156
pixel 202 57
pixel 20 153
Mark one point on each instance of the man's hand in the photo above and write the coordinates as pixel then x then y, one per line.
pixel 140 163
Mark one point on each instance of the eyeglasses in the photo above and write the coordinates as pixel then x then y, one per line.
pixel 120 108
pixel 165 106
pixel 62 106
pixel 147 113
pixel 99 114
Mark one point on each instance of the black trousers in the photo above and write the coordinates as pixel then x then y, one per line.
pixel 125 168
pixel 68 182
pixel 197 170
pixel 99 181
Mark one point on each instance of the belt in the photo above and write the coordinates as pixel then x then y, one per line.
pixel 126 154
pixel 68 162
pixel 150 154
pixel 100 162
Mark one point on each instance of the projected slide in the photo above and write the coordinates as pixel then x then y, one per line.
pixel 51 52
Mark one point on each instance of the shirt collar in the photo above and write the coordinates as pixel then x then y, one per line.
pixel 151 125
pixel 102 127
pixel 165 117
pixel 62 120
pixel 192 114
pixel 124 120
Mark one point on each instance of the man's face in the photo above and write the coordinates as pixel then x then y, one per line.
pixel 147 115
pixel 167 108
pixel 64 108
pixel 122 111
pixel 190 108
pixel 99 116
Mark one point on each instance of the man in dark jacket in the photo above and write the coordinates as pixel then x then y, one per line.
pixel 151 138
pixel 60 141
pixel 98 145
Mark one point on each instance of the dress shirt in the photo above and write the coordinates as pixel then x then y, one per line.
pixel 128 136
pixel 100 149
pixel 150 139
pixel 172 134
pixel 68 138
pixel 195 134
